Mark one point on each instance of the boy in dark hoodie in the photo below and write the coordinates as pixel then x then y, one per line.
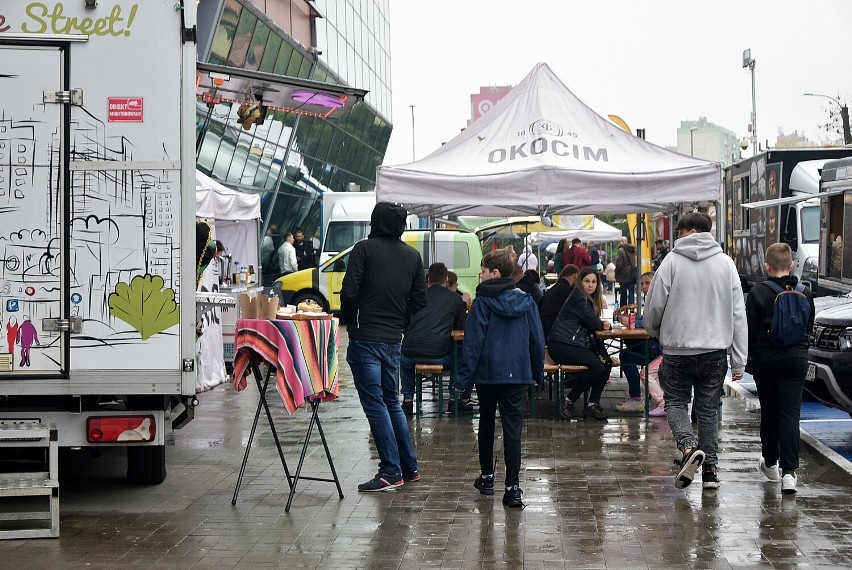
pixel 384 285
pixel 503 354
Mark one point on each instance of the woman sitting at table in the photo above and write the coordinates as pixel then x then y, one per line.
pixel 572 341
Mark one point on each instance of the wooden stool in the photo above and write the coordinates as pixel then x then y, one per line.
pixel 424 373
pixel 569 370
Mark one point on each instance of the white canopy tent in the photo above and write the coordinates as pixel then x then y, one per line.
pixel 235 217
pixel 542 151
pixel 599 232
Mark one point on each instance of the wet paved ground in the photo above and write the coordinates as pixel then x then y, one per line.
pixel 599 495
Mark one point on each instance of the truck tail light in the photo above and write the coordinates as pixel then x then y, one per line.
pixel 116 429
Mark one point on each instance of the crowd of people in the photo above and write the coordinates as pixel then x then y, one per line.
pixel 398 315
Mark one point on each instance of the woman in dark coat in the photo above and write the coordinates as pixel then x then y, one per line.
pixel 572 341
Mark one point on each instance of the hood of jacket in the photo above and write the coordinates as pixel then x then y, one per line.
pixel 697 246
pixel 503 297
pixel 628 247
pixel 387 220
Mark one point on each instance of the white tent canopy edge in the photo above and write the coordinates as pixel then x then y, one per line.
pixel 542 150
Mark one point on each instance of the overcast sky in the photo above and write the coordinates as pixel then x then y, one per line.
pixel 653 63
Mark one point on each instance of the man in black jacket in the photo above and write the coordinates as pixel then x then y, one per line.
pixel 383 287
pixel 304 250
pixel 555 297
pixel 427 340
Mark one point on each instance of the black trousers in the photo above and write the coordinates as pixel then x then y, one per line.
pixel 598 363
pixel 509 398
pixel 779 389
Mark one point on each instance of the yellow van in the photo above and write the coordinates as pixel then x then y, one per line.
pixel 459 250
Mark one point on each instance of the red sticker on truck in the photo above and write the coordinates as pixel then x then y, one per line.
pixel 124 109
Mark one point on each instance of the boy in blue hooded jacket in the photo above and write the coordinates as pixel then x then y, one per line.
pixel 503 354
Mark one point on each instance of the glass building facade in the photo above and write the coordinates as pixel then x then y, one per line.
pixel 300 155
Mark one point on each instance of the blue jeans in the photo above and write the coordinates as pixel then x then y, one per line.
pixel 406 371
pixel 632 357
pixel 375 366
pixel 705 373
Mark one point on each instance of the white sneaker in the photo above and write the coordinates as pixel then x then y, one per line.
pixel 771 471
pixel 630 405
pixel 788 484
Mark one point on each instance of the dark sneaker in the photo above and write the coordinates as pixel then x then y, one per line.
pixel 688 466
pixel 566 409
pixel 709 480
pixel 465 407
pixel 485 484
pixel 381 482
pixel 408 407
pixel 512 497
pixel 595 411
pixel 411 477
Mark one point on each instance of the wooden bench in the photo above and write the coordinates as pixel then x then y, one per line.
pixel 435 374
pixel 551 379
pixel 566 371
pixel 554 374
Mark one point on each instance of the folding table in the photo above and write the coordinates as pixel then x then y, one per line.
pixel 303 356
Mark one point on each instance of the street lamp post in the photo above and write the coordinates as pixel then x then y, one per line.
pixel 748 62
pixel 844 115
pixel 691 144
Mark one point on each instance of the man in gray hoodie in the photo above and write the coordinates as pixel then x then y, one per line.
pixel 696 309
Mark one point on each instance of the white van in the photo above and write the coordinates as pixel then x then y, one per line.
pixel 460 251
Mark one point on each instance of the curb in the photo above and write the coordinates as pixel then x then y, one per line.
pixel 752 403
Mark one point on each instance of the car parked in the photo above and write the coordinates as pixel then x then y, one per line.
pixel 829 377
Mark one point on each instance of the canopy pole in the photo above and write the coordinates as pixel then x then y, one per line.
pixel 432 245
pixel 640 231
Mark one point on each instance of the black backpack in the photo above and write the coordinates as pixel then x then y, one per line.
pixel 790 315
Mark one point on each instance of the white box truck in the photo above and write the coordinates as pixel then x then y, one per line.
pixel 97 233
pixel 345 221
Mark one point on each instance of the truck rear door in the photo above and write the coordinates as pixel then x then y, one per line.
pixel 33 212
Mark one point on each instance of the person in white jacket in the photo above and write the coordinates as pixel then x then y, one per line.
pixel 528 259
pixel 695 307
pixel 287 256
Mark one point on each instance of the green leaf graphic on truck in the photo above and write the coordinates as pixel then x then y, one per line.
pixel 145 305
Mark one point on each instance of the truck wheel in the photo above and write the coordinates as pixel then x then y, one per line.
pixel 315 297
pixel 146 464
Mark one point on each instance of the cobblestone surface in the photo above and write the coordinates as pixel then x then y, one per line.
pixel 599 495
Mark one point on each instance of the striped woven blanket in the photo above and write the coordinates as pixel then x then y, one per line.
pixel 304 354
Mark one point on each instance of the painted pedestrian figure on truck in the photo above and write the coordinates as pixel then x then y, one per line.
pixel 27 335
pixel 12 333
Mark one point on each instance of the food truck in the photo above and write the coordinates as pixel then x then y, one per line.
pixel 97 233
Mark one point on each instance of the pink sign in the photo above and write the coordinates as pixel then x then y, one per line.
pixel 124 109
pixel 487 97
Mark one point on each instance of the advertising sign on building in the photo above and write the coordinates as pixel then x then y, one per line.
pixel 482 102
